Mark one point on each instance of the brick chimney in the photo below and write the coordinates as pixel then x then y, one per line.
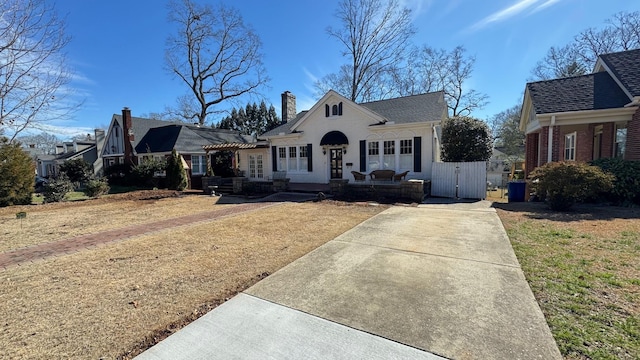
pixel 127 129
pixel 288 107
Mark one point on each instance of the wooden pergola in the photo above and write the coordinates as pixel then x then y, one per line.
pixel 233 147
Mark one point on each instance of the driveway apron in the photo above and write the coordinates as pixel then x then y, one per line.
pixel 442 280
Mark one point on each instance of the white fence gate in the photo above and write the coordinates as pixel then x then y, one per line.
pixel 470 178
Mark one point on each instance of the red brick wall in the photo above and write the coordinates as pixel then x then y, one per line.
pixel 606 147
pixel 584 144
pixel 633 137
pixel 531 153
pixel 544 138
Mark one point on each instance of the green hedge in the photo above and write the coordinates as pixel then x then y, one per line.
pixel 626 187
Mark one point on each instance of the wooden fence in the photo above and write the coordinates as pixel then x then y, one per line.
pixel 465 180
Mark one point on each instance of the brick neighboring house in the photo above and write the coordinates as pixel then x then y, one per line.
pixel 131 139
pixel 586 117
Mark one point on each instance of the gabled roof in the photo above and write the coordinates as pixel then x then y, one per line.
pixel 410 109
pixel 185 138
pixel 141 126
pixel 587 92
pixel 402 110
pixel 74 154
pixel 625 66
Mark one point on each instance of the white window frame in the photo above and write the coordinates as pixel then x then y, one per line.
pixel 201 167
pixel 406 154
pixel 292 160
pixel 570 146
pixel 616 143
pixel 256 166
pixel 373 155
pixel 389 154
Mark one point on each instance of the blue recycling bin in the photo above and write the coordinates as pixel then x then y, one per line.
pixel 516 191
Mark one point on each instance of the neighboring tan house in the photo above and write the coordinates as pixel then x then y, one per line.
pixel 337 136
pixel 586 117
pixel 148 138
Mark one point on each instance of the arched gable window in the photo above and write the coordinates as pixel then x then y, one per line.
pixel 334 110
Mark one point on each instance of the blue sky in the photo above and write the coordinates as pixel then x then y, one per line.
pixel 117 47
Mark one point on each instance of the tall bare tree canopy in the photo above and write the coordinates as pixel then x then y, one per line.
pixel 383 63
pixel 33 72
pixel 428 69
pixel 374 33
pixel 508 136
pixel 215 54
pixel 620 32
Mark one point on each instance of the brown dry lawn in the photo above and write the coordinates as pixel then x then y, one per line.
pixel 584 269
pixel 115 301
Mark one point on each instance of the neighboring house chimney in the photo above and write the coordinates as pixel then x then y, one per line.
pixel 288 107
pixel 128 136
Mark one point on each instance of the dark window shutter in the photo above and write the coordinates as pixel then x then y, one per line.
pixel 340 109
pixel 274 158
pixel 309 158
pixel 363 155
pixel 417 154
pixel 326 110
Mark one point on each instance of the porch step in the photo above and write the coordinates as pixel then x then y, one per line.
pixel 225 189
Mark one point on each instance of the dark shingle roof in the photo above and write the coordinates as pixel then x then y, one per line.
pixel 141 126
pixel 588 92
pixel 410 109
pixel 403 110
pixel 286 127
pixel 185 138
pixel 625 66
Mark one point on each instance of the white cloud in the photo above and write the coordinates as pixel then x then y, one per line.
pixel 544 5
pixel 504 14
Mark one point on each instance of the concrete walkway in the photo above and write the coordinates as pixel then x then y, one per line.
pixel 437 281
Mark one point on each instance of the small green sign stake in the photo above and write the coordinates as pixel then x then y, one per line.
pixel 21 215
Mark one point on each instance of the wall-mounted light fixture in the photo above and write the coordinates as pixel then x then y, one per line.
pixel 344 149
pixel 324 150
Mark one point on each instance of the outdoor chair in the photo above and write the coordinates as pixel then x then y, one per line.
pixel 358 176
pixel 400 176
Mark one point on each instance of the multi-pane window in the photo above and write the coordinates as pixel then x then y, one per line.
pixel 389 154
pixel 621 140
pixel 304 161
pixel 198 164
pixel 374 155
pixel 406 155
pixel 570 146
pixel 282 158
pixel 256 166
pixel 293 158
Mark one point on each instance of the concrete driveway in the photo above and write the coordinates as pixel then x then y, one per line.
pixel 436 281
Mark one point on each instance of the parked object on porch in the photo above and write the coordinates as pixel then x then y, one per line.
pixel 279 175
pixel 358 176
pixel 382 175
pixel 400 176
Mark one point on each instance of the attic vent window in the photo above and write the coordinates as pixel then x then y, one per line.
pixel 333 110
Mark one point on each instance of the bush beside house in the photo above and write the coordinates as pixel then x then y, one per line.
pixel 562 184
pixel 626 186
pixel 465 139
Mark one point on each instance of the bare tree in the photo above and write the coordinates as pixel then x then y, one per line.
pixel 44 142
pixel 508 136
pixel 33 74
pixel 428 69
pixel 214 53
pixel 621 32
pixel 374 34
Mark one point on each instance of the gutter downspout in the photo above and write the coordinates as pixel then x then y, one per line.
pixel 550 140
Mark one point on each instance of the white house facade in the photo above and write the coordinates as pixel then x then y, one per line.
pixel 337 136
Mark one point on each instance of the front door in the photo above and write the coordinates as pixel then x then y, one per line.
pixel 335 159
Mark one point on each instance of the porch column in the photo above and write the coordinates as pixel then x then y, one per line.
pixel 550 141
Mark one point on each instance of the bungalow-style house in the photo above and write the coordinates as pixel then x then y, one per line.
pixel 337 136
pixel 130 140
pixel 587 117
